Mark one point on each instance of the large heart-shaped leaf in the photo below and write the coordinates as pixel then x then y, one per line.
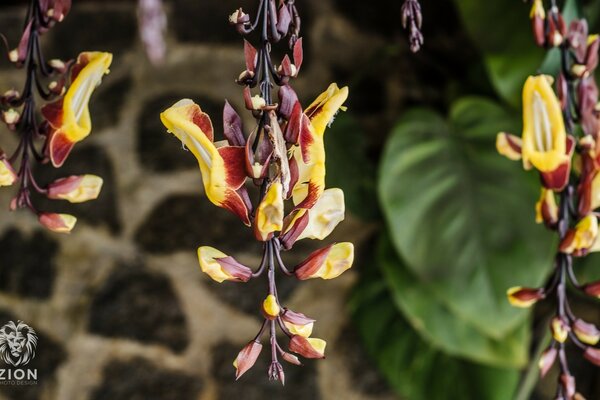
pixel 414 368
pixel 437 324
pixel 460 215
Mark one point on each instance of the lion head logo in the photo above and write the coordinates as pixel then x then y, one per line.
pixel 17 343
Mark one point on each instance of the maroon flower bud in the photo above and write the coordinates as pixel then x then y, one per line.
pixel 307 347
pixel 246 358
pixel 232 126
pixel 292 359
pixel 547 360
pixel 592 289
pixel 276 372
pixel 592 355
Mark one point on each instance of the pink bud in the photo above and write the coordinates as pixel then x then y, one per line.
pixel 292 359
pixel 232 267
pixel 307 347
pixel 592 355
pixel 586 332
pixel 246 358
pixel 568 383
pixel 547 360
pixel 76 188
pixel 592 289
pixel 60 223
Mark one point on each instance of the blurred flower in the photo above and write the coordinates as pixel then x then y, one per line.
pixel 580 239
pixel 586 332
pixel 60 223
pixel 8 175
pixel 76 188
pixel 560 329
pixel 308 347
pixel 546 210
pixel 547 360
pixel 524 297
pixel 153 23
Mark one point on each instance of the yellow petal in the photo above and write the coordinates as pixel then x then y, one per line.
pixel 269 215
pixel 544 135
pixel 318 344
pixel 325 215
pixel 302 330
pixel 322 111
pixel 339 259
pixel 207 256
pixel 271 307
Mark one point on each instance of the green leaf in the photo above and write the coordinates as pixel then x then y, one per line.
pixel 415 369
pixel 502 31
pixel 461 216
pixel 348 166
pixel 440 326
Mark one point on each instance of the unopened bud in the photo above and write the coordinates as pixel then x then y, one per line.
pixel 586 332
pixel 11 116
pixel 560 329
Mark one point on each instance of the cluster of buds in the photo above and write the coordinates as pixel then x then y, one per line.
pixel 412 20
pixel 284 156
pixel 548 144
pixel 66 88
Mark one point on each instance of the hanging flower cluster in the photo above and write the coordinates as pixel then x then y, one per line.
pixel 412 20
pixel 284 156
pixel 152 22
pixel 66 87
pixel 558 123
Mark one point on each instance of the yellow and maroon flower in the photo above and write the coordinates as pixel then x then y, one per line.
pixel 544 144
pixel 538 16
pixel 308 158
pixel 546 210
pixel 317 222
pixel 560 329
pixel 223 171
pixel 221 267
pixel 298 323
pixel 59 223
pixel 76 188
pixel 327 263
pixel 308 347
pixel 70 116
pixel 544 137
pixel 580 239
pixel 246 358
pixel 586 332
pixel 269 214
pixel 524 297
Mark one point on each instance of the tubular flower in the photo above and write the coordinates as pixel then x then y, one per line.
pixel 70 115
pixel 283 156
pixel 59 223
pixel 327 263
pixel 309 155
pixel 546 210
pixel 222 168
pixel 580 239
pixel 269 214
pixel 221 267
pixel 76 188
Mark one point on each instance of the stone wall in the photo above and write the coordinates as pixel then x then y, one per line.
pixel 121 307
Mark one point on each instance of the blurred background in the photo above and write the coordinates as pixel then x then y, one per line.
pixel 442 224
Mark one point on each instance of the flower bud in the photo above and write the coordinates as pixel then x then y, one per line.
pixel 8 175
pixel 592 355
pixel 76 188
pixel 58 65
pixel 269 214
pixel 327 263
pixel 221 267
pixel 308 347
pixel 276 372
pixel 586 332
pixel 547 360
pixel 270 307
pixel 9 96
pixel 546 210
pixel 57 87
pixel 592 289
pixel 538 16
pixel 560 329
pixel 524 297
pixel 297 323
pixel 11 117
pixel 578 240
pixel 257 102
pixel 578 70
pixel 568 383
pixel 246 358
pixel 292 359
pixel 60 223
pixel 238 17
